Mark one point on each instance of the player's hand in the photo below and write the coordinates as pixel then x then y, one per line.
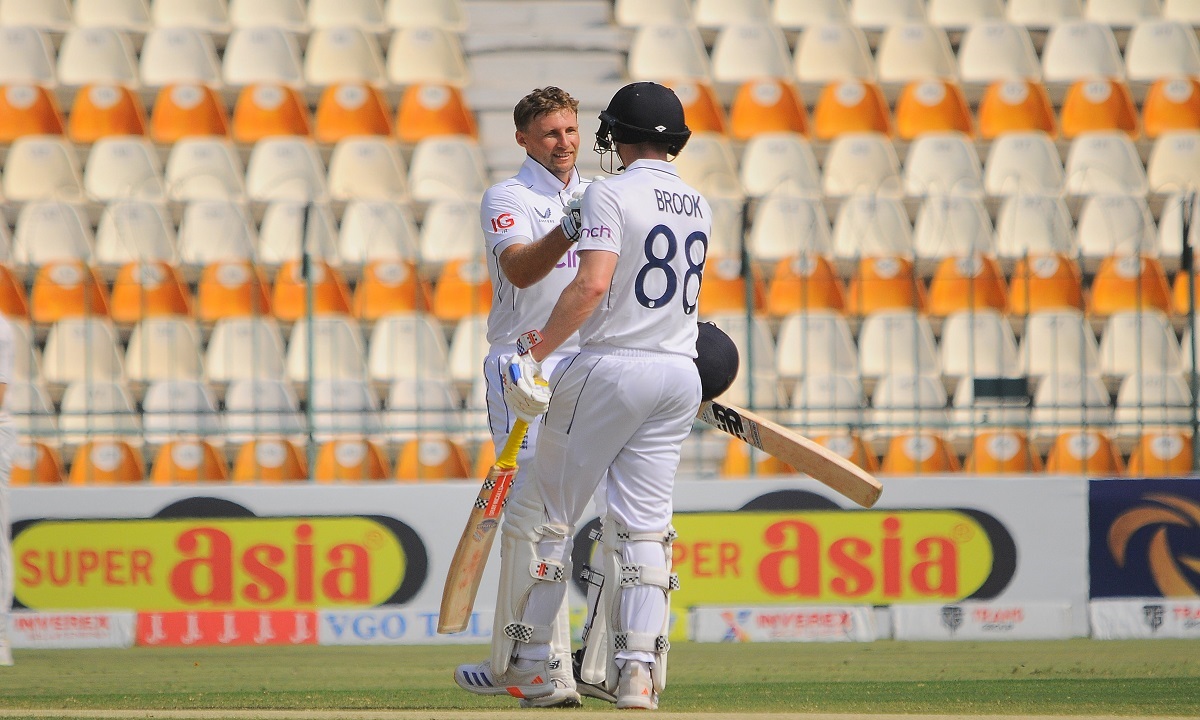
pixel 572 214
pixel 525 390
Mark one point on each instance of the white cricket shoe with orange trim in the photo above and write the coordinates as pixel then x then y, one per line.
pixel 530 683
pixel 635 690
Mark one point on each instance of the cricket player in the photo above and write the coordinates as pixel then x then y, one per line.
pixel 531 260
pixel 622 406
pixel 8 443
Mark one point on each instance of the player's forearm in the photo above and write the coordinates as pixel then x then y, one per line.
pixel 576 304
pixel 526 264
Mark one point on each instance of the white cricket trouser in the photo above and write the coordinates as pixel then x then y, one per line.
pixel 627 413
pixel 8 445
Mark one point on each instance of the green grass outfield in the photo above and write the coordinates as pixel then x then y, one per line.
pixel 1076 677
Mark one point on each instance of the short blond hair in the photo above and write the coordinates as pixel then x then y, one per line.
pixel 542 101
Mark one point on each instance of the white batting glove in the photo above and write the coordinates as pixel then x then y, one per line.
pixel 572 213
pixel 525 390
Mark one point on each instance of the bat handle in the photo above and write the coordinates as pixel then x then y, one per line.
pixel 508 456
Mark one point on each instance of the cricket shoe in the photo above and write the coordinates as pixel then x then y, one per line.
pixel 585 688
pixel 635 690
pixel 529 683
pixel 564 696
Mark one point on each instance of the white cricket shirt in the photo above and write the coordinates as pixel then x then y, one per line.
pixel 660 226
pixel 520 210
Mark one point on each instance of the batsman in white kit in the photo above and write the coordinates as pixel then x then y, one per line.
pixel 621 407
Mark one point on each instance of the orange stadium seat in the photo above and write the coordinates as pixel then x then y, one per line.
pixel 187 110
pixel 738 456
pixel 724 286
pixel 390 286
pixel 852 447
pixel 1098 104
pixel 67 288
pixel 1129 283
pixel 36 463
pixel 188 461
pixel 462 289
pixel 967 283
pixel 485 458
pixel 1002 451
pixel 289 295
pixel 807 282
pixel 1084 453
pixel 1015 106
pixel 107 462
pixel 702 110
pixel 267 110
pixel 269 460
pixel 850 106
pixel 350 109
pixel 428 110
pixel 350 459
pixel 103 110
pixel 767 105
pixel 1161 452
pixel 883 283
pixel 926 106
pixel 232 288
pixel 432 458
pixel 1171 104
pixel 919 453
pixel 146 289
pixel 28 110
pixel 13 303
pixel 1044 282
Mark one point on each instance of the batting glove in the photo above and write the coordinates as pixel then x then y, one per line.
pixel 525 390
pixel 572 213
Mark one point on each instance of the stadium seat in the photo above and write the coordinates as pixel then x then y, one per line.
pixel 463 288
pixel 1104 162
pixel 13 302
pixel 1172 166
pixel 995 50
pixel 804 282
pixel 416 406
pixel 391 286
pixel 51 231
pixel 718 14
pixel 50 16
pixel 285 168
pixel 1080 49
pixel 879 15
pixel 953 15
pixel 1121 13
pixel 942 163
pixel 289 14
pixel 1045 282
pixel 215 231
pixel 204 168
pixel 350 109
pixel 261 55
pixel 800 14
pixel 661 52
pixel 343 406
pixel 903 402
pixel 1057 342
pixel 883 283
pixel 1150 399
pixel 269 460
pixel 745 52
pixel 104 408
pixel 932 106
pixel 703 111
pixel 765 106
pixel 185 110
pixel 1090 452
pixel 1172 103
pixel 861 164
pixel 430 110
pixel 122 167
pixel 635 13
pixel 710 166
pixel 131 16
pixel 832 52
pixel 367 167
pixel 31 408
pixel 724 288
pixel 67 289
pixel 468 347
pixel 1139 341
pixel 188 461
pixel 753 338
pixel 264 110
pixel 1129 282
pixel 951 226
pixel 742 460
pixel 342 54
pixel 291 228
pixel 27 57
pixel 337 351
pixel 1160 48
pixel 1066 401
pixel 261 406
pixel 36 463
pixel 971 414
pixel 1034 225
pixel 1023 163
pixel 913 50
pixel 1161 453
pixel 447 167
pixel 28 110
pixel 973 282
pixel 172 409
pixel 42 167
pixel 1171 236
pixel 432 458
pixel 148 289
pixel 97 55
pixel 828 403
pixel 850 107
pixel 424 55
pixel 103 110
pixel 785 225
pixel 1098 105
pixel 173 55
pixel 919 453
pixel 1002 452
pixel 815 343
pixel 450 232
pixel 780 162
pixel 978 343
pixel 850 446
pixel 366 15
pixel 897 343
pixel 374 230
pixel 869 226
pixel 164 348
pixel 445 14
pixel 81 349
pixel 107 462
pixel 350 460
pixel 244 348
pixel 209 15
pixel 1013 106
pixel 407 345
pixel 1115 225
pixel 133 231
pixel 330 293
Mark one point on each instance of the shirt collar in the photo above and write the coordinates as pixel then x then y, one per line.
pixel 534 175
pixel 661 165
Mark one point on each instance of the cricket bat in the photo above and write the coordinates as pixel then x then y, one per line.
pixel 466 569
pixel 810 458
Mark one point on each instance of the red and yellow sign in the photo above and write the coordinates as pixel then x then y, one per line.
pixel 208 563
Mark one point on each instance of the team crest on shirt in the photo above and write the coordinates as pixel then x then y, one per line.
pixel 502 222
pixel 544 215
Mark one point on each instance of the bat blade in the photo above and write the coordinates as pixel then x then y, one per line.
pixel 471 555
pixel 805 455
